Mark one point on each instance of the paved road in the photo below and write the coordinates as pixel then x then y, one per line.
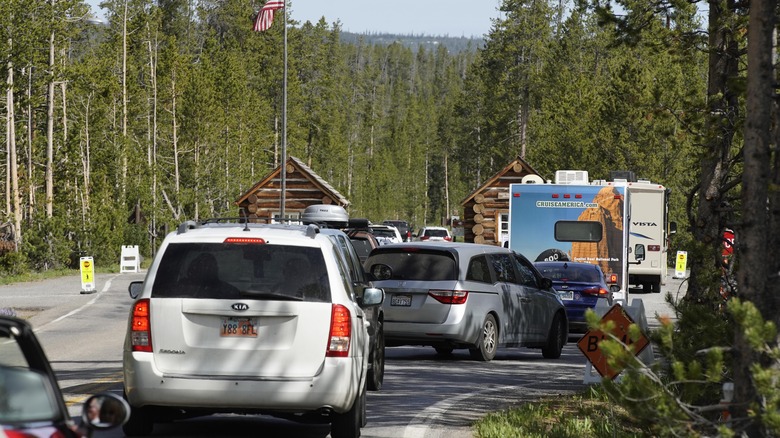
pixel 423 395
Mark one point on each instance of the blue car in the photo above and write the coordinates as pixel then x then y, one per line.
pixel 580 286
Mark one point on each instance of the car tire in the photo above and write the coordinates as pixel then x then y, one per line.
pixel 348 424
pixel 141 422
pixel 555 339
pixel 487 342
pixel 656 286
pixel 376 374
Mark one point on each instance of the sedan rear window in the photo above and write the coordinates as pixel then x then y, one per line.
pixel 417 265
pixel 436 233
pixel 228 270
pixel 567 272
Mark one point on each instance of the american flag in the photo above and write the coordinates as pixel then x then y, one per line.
pixel 266 15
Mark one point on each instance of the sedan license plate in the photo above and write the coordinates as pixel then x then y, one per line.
pixel 239 327
pixel 568 295
pixel 401 300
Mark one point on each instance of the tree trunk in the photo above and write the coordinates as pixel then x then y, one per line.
pixel 50 132
pixel 13 166
pixel 30 137
pixel 755 249
pixel 710 218
pixel 123 153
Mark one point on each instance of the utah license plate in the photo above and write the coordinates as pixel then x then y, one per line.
pixel 401 300
pixel 240 327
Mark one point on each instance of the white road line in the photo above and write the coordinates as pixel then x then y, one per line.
pixel 43 327
pixel 420 426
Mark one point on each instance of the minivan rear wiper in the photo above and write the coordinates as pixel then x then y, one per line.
pixel 269 295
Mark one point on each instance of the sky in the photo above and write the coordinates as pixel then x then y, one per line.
pixel 455 18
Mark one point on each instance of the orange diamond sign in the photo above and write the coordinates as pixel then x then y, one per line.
pixel 589 344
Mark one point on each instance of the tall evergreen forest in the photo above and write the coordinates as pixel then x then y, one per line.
pixel 172 109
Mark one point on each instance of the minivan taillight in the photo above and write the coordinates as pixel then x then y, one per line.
pixel 449 296
pixel 340 332
pixel 141 330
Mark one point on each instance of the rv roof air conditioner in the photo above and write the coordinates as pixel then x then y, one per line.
pixel 571 177
pixel 532 179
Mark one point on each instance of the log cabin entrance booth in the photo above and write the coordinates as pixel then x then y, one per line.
pixel 486 209
pixel 303 187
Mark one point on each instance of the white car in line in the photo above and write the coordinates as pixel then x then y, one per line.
pixel 248 318
pixel 385 234
pixel 434 234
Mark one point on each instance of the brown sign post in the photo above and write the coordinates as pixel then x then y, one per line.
pixel 589 344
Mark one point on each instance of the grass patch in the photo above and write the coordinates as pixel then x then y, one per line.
pixel 589 414
pixel 57 273
pixel 36 276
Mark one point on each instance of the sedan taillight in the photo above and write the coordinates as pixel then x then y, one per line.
pixel 448 238
pixel 596 291
pixel 340 332
pixel 449 296
pixel 141 329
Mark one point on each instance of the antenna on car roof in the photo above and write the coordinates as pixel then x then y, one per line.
pixel 246 219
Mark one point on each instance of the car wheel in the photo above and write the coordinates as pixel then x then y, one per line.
pixel 555 339
pixel 376 374
pixel 656 287
pixel 487 342
pixel 348 424
pixel 141 422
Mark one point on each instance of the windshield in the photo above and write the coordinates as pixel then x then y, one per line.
pixel 229 270
pixel 25 396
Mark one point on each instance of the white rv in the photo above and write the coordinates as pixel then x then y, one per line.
pixel 649 225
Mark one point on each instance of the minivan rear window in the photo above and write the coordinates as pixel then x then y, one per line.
pixel 416 265
pixel 228 270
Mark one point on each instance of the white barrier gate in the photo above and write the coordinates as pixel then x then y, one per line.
pixel 130 260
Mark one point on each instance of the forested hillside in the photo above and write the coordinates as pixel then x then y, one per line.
pixel 173 109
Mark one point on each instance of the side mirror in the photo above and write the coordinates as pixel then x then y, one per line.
pixel 135 288
pixel 104 411
pixel 672 228
pixel 373 296
pixel 639 252
pixel 546 283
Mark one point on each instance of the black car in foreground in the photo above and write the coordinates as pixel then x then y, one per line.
pixel 31 403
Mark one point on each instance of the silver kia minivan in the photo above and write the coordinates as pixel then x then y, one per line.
pixel 465 295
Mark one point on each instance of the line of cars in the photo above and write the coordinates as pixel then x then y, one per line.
pixel 295 318
pixel 289 320
pixel 292 320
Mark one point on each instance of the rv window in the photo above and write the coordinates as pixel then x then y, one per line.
pixel 578 231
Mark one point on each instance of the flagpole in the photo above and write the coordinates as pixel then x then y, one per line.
pixel 284 118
